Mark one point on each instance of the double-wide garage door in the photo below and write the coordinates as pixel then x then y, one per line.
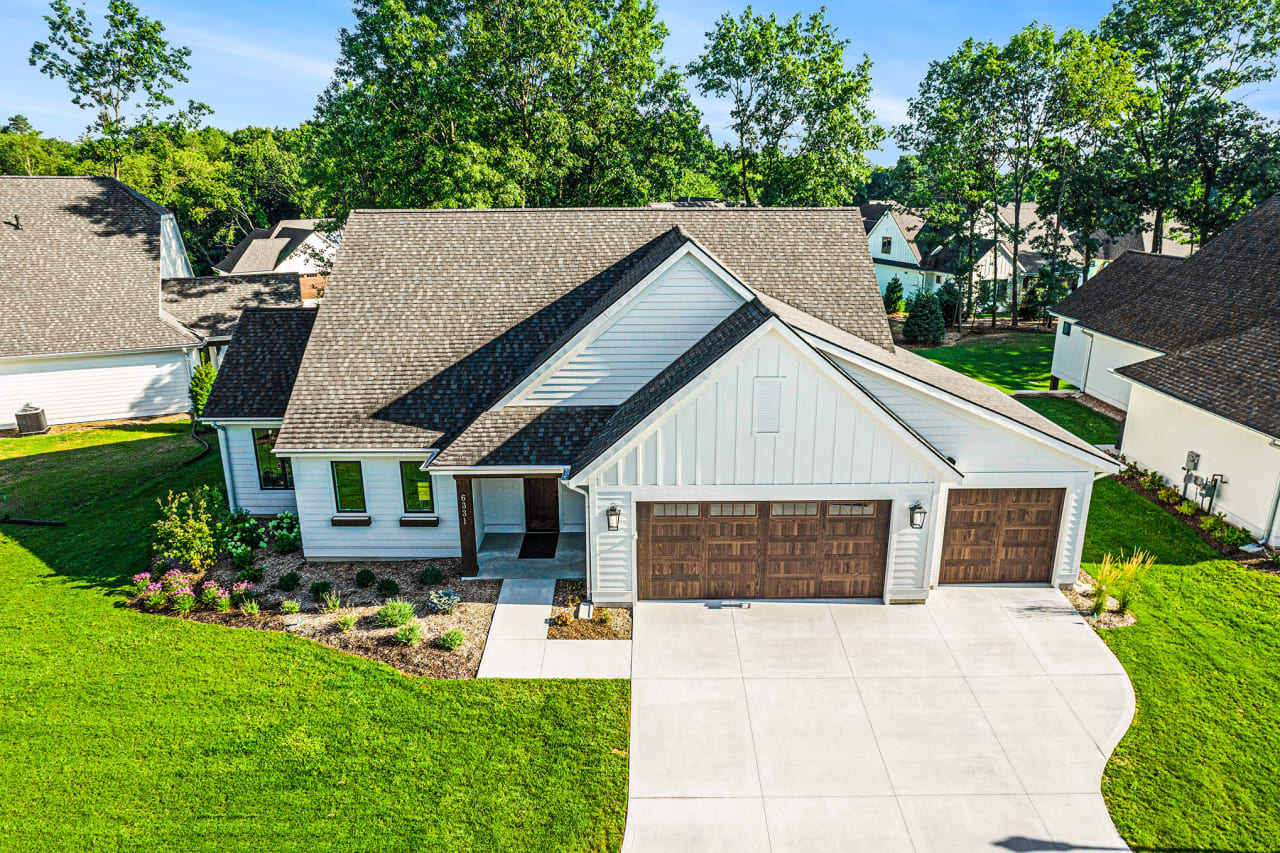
pixel 1001 535
pixel 763 549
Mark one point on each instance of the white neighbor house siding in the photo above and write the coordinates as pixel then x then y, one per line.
pixel 1086 358
pixel 384 538
pixel 73 389
pixel 241 465
pixel 1159 431
pixel 673 313
pixel 830 446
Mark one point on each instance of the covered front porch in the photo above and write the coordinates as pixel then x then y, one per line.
pixel 525 524
pixel 529 555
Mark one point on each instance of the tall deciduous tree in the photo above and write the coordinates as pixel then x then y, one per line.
pixel 23 151
pixel 801 119
pixel 124 77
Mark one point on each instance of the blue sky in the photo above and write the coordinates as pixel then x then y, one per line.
pixel 264 63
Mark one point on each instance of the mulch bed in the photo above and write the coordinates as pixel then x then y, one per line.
pixel 1082 599
pixel 367 639
pixel 618 627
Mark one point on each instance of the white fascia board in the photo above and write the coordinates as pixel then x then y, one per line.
pixel 1090 331
pixel 90 353
pixel 513 470
pixel 255 422
pixel 929 454
pixel 1098 462
pixel 593 329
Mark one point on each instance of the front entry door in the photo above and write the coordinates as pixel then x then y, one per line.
pixel 541 505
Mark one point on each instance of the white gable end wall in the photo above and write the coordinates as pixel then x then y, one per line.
pixel 669 316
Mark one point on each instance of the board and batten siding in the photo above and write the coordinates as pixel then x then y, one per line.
pixel 384 538
pixel 672 314
pixel 900 251
pixel 74 389
pixel 1086 358
pixel 242 464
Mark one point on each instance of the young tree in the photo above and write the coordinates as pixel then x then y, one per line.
pixel 924 321
pixel 124 77
pixel 892 295
pixel 23 151
pixel 802 121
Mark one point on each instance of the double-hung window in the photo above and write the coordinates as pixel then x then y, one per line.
pixel 416 485
pixel 348 486
pixel 274 472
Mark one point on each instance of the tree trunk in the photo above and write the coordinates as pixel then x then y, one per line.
pixel 1013 277
pixel 995 257
pixel 1157 233
pixel 1088 261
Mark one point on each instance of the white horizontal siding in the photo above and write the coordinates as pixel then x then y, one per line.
pixel 96 387
pixel 826 435
pixel 384 539
pixel 671 315
pixel 1105 355
pixel 243 464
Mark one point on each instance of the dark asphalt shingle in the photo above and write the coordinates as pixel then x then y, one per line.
pixel 257 375
pixel 211 305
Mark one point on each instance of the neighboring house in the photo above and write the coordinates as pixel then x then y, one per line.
pixel 211 306
pixel 891 236
pixel 291 245
pixel 697 403
pixel 1190 347
pixel 84 332
pixel 1139 239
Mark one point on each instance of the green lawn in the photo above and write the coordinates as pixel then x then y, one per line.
pixel 1093 427
pixel 1198 768
pixel 1009 361
pixel 120 730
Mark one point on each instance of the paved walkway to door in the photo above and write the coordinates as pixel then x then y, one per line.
pixel 980 721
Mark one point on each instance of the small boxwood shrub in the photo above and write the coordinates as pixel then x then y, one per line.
pixel 443 601
pixel 252 574
pixel 289 581
pixel 346 622
pixel 395 613
pixel 408 635
pixel 431 576
pixel 452 640
pixel 388 587
pixel 319 589
pixel 290 606
pixel 365 578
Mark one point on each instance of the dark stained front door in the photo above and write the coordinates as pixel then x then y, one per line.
pixel 541 504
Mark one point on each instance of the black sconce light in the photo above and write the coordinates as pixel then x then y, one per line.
pixel 917 515
pixel 612 517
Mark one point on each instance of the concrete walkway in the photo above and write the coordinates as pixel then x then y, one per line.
pixel 517 646
pixel 980 721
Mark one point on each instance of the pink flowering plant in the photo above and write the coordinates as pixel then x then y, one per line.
pixel 209 592
pixel 182 600
pixel 140 582
pixel 223 601
pixel 155 596
pixel 173 579
pixel 241 591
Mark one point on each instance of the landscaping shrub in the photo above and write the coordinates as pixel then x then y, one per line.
pixel 604 617
pixel 395 613
pixel 330 603
pixel 1131 469
pixel 1105 577
pixel 241 591
pixel 289 581
pixel 949 303
pixel 201 384
pixel 408 635
pixel 290 606
pixel 288 534
pixel 561 619
pixel 431 576
pixel 253 573
pixel 173 579
pixel 1188 508
pixel 239 527
pixel 443 601
pixel 186 532
pixel 1131 578
pixel 365 578
pixel 209 591
pixel 140 582
pixel 924 321
pixel 319 589
pixel 1212 524
pixel 249 607
pixel 1232 536
pixel 892 295
pixel 156 596
pixel 452 640
pixel 388 587
pixel 183 601
pixel 1152 480
pixel 346 622
pixel 241 556
pixel 1169 494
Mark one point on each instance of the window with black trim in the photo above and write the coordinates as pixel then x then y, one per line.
pixel 886 245
pixel 274 472
pixel 348 486
pixel 1066 329
pixel 416 486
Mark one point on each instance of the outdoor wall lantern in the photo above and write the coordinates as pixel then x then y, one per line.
pixel 612 517
pixel 917 515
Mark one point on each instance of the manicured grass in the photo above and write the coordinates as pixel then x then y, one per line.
pixel 124 730
pixel 1009 361
pixel 1198 768
pixel 1075 416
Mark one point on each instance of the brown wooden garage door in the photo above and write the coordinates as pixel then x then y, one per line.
pixel 1001 535
pixel 782 549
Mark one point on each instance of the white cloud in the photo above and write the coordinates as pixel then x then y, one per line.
pixel 267 54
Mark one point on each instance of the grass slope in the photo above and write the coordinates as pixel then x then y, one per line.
pixel 1075 416
pixel 1197 769
pixel 122 730
pixel 1011 361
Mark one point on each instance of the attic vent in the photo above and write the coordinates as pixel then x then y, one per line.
pixel 768 404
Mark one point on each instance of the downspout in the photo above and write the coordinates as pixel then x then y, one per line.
pixel 1275 501
pixel 226 467
pixel 586 497
pixel 1088 357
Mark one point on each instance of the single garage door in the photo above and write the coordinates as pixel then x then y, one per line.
pixel 1001 535
pixel 763 549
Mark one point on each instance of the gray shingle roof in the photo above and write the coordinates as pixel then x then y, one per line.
pixel 526 435
pixel 258 373
pixel 262 249
pixel 211 305
pixel 431 315
pixel 82 273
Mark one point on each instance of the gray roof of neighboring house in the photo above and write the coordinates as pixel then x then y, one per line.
pixel 211 305
pixel 258 373
pixel 1139 239
pixel 432 315
pixel 82 273
pixel 263 249
pixel 1038 228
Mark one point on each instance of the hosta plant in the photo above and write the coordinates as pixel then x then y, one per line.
pixel 290 606
pixel 286 531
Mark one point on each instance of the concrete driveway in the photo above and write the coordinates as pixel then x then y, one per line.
pixel 980 721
